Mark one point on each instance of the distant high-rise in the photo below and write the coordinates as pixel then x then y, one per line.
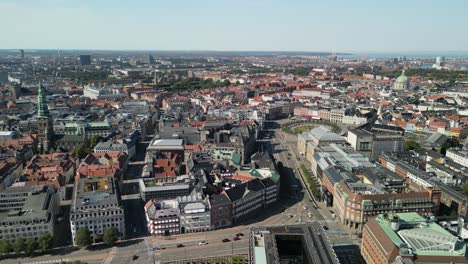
pixel 440 63
pixel 440 60
pixel 85 59
pixel 21 53
pixel 148 59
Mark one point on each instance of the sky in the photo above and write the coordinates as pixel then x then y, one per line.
pixel 236 25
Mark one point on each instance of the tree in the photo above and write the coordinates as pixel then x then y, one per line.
pixel 450 143
pixel 19 245
pixel 79 151
pixel 93 141
pixel 111 234
pixel 465 188
pixel 5 247
pixel 45 243
pixel 31 245
pixel 83 238
pixel 410 145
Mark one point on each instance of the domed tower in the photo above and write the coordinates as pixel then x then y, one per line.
pixel 45 129
pixel 401 83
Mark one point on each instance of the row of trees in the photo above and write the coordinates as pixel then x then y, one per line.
pixel 44 243
pixel 193 84
pixel 29 246
pixel 84 238
pixel 292 127
pixel 310 181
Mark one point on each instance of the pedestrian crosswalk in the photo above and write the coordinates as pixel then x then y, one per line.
pixel 58 261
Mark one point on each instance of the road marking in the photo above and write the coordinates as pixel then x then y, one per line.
pixel 49 261
pixel 148 251
pixel 110 256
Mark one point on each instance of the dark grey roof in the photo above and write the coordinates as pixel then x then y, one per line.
pixel 267 182
pixel 237 192
pixel 255 185
pixel 435 140
pixel 217 199
pixel 336 174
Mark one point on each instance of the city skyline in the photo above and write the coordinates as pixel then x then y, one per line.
pixel 357 27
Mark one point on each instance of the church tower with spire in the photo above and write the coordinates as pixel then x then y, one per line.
pixel 44 122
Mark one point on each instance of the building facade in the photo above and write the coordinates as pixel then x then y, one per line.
pixel 28 212
pixel 96 207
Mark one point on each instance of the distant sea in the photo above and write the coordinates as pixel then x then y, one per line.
pixel 409 55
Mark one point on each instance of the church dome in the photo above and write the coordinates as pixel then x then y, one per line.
pixel 401 83
pixel 402 78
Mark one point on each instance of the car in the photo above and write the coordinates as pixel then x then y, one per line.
pixel 325 227
pixel 201 243
pixel 290 216
pixel 309 215
pixel 306 207
pixel 135 257
pixel 239 234
pixel 236 238
pixel 226 240
pixel 180 245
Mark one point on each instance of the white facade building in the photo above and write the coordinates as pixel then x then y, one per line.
pixel 458 156
pixel 96 207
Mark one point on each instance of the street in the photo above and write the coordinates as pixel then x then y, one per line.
pixel 295 206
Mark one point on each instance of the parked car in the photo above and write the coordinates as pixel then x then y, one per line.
pixel 236 238
pixel 201 243
pixel 226 240
pixel 305 207
pixel 135 257
pixel 239 234
pixel 325 227
pixel 180 245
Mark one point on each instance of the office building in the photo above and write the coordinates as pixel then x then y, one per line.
pixel 28 211
pixel 194 214
pixel 96 206
pixel 85 59
pixel 163 217
pixel 373 140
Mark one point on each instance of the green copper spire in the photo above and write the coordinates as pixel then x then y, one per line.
pixel 42 110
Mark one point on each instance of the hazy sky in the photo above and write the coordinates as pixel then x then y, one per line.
pixel 281 25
